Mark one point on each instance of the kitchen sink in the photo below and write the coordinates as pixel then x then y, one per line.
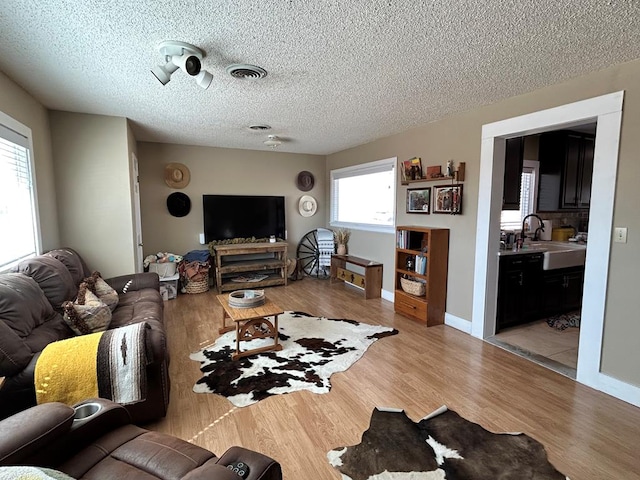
pixel 560 254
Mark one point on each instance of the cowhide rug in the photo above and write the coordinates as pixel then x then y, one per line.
pixel 441 446
pixel 313 349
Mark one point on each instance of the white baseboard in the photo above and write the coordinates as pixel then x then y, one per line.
pixel 614 387
pixel 387 295
pixel 457 322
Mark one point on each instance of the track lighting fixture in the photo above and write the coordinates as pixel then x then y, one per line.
pixel 184 56
pixel 273 141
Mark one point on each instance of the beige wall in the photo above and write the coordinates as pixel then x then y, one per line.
pixel 458 138
pixel 91 158
pixel 21 106
pixel 221 171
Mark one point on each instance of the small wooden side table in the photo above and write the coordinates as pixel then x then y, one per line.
pixel 251 323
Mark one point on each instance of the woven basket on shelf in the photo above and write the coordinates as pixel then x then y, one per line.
pixel 412 287
pixel 198 286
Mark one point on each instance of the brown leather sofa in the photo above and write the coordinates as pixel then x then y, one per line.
pixel 107 446
pixel 30 318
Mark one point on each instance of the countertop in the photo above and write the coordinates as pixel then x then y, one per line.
pixel 543 246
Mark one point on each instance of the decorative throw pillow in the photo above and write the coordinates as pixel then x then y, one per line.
pixel 102 290
pixel 88 314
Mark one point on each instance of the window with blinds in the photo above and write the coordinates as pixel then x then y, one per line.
pixel 363 197
pixel 19 238
pixel 511 220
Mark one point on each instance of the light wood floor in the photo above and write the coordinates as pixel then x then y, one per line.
pixel 587 434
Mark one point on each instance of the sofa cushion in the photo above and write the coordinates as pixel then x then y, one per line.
pixel 23 310
pixel 52 276
pixel 126 453
pixel 72 261
pixel 88 314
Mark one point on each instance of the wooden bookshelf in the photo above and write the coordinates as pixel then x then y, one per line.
pixel 433 245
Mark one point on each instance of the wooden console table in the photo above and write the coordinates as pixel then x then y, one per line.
pixel 229 263
pixel 371 281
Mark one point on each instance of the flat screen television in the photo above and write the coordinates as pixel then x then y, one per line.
pixel 243 216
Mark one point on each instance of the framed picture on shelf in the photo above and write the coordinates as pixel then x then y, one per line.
pixel 447 199
pixel 412 169
pixel 418 200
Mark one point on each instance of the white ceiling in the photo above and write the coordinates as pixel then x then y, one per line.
pixel 340 73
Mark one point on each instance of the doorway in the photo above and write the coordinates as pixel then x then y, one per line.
pixel 607 112
pixel 555 185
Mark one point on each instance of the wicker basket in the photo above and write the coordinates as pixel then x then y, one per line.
pixel 412 287
pixel 198 286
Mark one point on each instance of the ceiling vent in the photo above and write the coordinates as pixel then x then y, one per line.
pixel 246 71
pixel 259 128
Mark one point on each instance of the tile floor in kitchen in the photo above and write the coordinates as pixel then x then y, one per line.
pixel 542 344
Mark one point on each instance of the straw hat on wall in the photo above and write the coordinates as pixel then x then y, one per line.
pixel 177 175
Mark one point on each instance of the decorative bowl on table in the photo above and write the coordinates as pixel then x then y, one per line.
pixel 246 298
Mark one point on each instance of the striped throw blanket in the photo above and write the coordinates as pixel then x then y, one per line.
pixel 110 364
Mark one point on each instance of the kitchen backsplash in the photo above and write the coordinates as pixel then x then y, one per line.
pixel 578 220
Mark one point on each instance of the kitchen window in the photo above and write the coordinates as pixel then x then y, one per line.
pixel 511 220
pixel 363 197
pixel 18 208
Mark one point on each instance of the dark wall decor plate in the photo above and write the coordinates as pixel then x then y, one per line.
pixel 178 204
pixel 305 181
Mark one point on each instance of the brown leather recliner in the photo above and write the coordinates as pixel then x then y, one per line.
pixel 105 445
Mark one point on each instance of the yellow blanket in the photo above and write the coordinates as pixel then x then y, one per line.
pixel 110 364
pixel 67 370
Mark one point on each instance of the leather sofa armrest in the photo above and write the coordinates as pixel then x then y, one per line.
pixel 83 432
pixel 110 416
pixel 260 466
pixel 135 281
pixel 211 471
pixel 30 431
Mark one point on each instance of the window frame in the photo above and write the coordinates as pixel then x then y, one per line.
pixel 376 166
pixel 11 124
pixel 530 167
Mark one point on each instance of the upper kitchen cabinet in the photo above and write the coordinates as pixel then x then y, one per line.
pixel 566 167
pixel 512 173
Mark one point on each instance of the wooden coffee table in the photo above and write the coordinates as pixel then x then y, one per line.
pixel 251 323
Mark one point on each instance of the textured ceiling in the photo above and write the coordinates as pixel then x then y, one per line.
pixel 340 73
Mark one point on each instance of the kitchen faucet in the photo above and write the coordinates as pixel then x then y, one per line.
pixel 539 229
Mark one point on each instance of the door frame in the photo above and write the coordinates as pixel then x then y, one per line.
pixel 606 110
pixel 138 253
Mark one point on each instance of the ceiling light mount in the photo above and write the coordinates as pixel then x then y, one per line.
pixel 184 56
pixel 246 71
pixel 273 141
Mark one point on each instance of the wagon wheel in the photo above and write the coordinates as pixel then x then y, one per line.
pixel 308 255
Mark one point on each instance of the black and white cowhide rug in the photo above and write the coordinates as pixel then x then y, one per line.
pixel 441 446
pixel 313 349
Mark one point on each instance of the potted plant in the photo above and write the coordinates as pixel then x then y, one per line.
pixel 341 237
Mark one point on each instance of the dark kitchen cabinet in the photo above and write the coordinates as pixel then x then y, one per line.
pixel 566 168
pixel 514 156
pixel 519 289
pixel 562 290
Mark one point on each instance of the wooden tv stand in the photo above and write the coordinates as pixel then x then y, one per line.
pixel 229 264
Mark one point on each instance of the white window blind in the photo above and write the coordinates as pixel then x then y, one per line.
pixel 512 219
pixel 19 238
pixel 363 196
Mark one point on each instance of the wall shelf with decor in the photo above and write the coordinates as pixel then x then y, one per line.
pixel 458 176
pixel 420 277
